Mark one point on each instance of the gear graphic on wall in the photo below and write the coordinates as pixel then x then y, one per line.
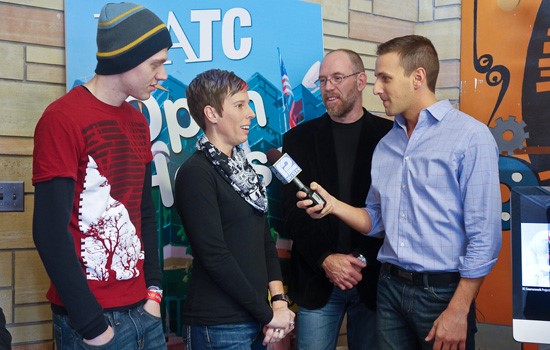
pixel 518 134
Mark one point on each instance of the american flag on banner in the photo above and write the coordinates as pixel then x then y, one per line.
pixel 292 109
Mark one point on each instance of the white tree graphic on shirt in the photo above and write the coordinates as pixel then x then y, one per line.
pixel 111 243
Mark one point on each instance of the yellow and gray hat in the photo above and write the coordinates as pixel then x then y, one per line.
pixel 127 35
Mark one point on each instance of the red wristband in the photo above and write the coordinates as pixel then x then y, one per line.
pixel 152 295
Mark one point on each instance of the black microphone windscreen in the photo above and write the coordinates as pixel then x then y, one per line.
pixel 273 155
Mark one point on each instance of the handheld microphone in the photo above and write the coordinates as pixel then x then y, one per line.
pixel 286 170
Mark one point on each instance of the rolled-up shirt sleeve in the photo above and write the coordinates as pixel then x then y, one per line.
pixel 480 188
pixel 372 206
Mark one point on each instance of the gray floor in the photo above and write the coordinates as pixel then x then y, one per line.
pixel 495 337
pixel 488 337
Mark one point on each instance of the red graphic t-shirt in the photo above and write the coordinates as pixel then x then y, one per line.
pixel 104 149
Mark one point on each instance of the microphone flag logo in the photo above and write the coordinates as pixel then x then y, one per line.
pixel 286 169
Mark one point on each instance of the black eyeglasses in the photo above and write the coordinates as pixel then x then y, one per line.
pixel 336 79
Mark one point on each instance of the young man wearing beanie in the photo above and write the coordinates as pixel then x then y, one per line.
pixel 94 219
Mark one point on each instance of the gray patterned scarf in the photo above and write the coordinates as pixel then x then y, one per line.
pixel 237 172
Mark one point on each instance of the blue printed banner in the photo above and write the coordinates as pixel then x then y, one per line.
pixel 276 46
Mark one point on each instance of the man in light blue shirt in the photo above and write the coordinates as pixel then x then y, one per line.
pixel 436 192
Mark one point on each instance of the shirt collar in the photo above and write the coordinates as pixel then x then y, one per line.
pixel 437 111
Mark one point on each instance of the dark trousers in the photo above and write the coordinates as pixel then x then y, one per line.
pixel 406 313
pixel 5 336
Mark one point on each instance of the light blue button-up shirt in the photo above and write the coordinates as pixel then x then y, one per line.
pixel 437 194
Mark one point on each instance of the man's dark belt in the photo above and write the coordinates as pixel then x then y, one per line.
pixel 424 279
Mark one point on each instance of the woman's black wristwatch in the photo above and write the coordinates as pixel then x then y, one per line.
pixel 282 296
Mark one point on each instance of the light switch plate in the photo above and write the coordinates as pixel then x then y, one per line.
pixel 12 196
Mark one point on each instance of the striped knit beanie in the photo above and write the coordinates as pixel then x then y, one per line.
pixel 127 35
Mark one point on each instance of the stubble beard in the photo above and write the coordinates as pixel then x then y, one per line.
pixel 340 111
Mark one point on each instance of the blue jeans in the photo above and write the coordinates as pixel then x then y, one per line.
pixel 406 313
pixel 318 329
pixel 240 336
pixel 134 329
